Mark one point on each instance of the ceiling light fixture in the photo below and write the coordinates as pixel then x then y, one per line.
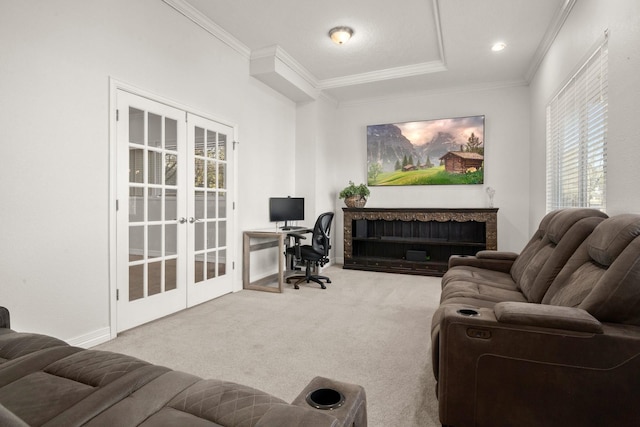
pixel 498 47
pixel 340 35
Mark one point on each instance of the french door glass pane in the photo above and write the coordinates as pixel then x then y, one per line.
pixel 211 204
pixel 170 205
pixel 136 282
pixel 170 274
pixel 155 167
pixel 222 262
pixel 155 130
pixel 222 147
pixel 222 235
pixel 155 204
pixel 136 165
pixel 222 175
pixel 153 197
pixel 199 142
pixel 171 169
pixel 199 204
pixel 211 173
pixel 211 144
pixel 199 236
pixel 136 126
pixel 136 204
pixel 170 134
pixel 155 278
pixel 155 241
pixel 199 172
pixel 222 205
pixel 199 269
pixel 136 243
pixel 211 235
pixel 170 239
pixel 211 265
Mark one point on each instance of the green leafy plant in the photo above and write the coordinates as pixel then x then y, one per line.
pixel 354 190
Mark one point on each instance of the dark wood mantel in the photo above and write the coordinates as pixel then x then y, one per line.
pixel 379 238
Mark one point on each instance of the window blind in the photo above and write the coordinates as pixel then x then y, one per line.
pixel 577 137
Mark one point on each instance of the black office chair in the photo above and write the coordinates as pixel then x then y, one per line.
pixel 315 254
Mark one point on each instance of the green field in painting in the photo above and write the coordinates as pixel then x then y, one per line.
pixel 431 176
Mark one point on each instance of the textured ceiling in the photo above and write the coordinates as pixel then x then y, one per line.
pixel 398 46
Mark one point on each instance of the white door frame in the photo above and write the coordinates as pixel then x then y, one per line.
pixel 114 86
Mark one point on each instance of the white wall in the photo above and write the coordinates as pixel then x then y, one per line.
pixel 506 112
pixel 57 58
pixel 583 28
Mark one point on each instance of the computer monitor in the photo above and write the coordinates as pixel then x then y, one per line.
pixel 286 209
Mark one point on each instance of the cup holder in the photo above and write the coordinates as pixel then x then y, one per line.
pixel 468 312
pixel 325 398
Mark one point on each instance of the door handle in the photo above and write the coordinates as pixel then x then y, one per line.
pixel 182 220
pixel 192 220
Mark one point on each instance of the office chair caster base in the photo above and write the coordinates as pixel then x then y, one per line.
pixel 299 279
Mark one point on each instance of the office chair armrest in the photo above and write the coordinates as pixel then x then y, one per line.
pixel 297 236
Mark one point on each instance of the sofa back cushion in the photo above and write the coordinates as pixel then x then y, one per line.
pixel 565 232
pixel 532 247
pixel 603 276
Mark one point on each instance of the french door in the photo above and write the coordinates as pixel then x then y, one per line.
pixel 173 214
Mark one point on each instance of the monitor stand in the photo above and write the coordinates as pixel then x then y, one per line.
pixel 285 227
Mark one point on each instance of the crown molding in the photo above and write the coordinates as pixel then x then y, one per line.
pixel 277 52
pixel 386 74
pixel 280 56
pixel 549 36
pixel 436 18
pixel 439 91
pixel 209 26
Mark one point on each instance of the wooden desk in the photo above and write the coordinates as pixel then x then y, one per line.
pixel 269 239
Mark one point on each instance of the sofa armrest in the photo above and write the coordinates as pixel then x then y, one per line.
pixel 487 260
pixel 499 255
pixel 296 416
pixel 541 375
pixel 5 321
pixel 547 316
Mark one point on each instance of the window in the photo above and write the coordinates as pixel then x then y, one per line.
pixel 577 138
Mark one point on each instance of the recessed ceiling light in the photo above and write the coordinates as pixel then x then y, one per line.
pixel 340 35
pixel 498 47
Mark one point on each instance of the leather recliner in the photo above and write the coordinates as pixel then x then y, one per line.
pixel 570 360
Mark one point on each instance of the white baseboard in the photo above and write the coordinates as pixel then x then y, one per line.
pixel 91 339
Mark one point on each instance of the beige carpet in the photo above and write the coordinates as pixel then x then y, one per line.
pixel 371 329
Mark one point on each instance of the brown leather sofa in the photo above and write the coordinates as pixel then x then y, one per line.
pixel 45 382
pixel 559 344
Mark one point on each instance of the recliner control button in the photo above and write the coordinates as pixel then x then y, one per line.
pixel 478 333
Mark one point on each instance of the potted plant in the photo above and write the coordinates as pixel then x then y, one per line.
pixel 355 196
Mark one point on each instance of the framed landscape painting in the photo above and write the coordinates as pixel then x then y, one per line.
pixel 429 152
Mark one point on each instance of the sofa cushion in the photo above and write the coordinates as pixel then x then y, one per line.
pixel 603 275
pixel 476 274
pixel 16 344
pixel 608 241
pixel 218 402
pixel 564 238
pixel 518 263
pixel 72 388
pixel 615 297
pixel 489 292
pixel 532 246
pixel 567 231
